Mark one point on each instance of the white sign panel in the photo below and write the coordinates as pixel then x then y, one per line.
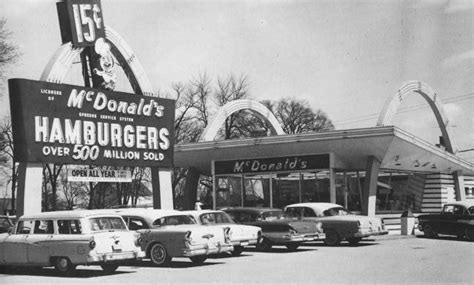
pixel 98 175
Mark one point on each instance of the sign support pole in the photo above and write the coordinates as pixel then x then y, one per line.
pixel 29 191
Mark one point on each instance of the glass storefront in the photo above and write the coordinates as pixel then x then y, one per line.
pixel 395 192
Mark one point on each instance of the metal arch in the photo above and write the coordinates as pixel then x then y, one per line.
pixel 393 103
pixel 237 105
pixel 61 62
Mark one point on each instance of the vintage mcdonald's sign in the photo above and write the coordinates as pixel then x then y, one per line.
pixel 60 123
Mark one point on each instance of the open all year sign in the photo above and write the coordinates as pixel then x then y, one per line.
pixel 60 123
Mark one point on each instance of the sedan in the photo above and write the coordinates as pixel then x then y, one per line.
pixel 277 227
pixel 338 223
pixel 241 235
pixel 169 233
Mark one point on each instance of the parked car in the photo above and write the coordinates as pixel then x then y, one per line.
pixel 168 233
pixel 6 222
pixel 456 218
pixel 66 239
pixel 277 228
pixel 338 223
pixel 241 235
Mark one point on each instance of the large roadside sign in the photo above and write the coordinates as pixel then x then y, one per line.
pixel 60 123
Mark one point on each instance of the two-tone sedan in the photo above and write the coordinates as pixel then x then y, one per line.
pixel 169 233
pixel 338 223
pixel 241 235
pixel 277 227
pixel 65 239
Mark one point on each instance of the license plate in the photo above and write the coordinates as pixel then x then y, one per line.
pixel 244 243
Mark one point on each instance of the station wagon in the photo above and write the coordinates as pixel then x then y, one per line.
pixel 65 239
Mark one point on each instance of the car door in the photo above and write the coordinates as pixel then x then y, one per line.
pixel 15 245
pixel 446 220
pixel 40 241
pixel 459 214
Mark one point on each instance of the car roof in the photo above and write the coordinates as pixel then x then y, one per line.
pixel 199 212
pixel 318 207
pixel 71 214
pixel 255 210
pixel 147 212
pixel 465 203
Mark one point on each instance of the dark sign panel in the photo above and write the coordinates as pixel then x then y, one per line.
pixel 60 123
pixel 81 21
pixel 272 164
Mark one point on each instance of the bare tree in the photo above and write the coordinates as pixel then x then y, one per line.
pixel 8 164
pixel 8 52
pixel 296 117
pixel 51 172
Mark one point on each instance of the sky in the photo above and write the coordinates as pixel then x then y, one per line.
pixel 345 58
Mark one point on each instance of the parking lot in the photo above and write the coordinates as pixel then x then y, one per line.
pixel 385 259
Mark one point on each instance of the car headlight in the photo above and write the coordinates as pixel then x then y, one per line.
pixel 187 238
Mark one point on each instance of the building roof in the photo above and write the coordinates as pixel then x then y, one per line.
pixel 394 148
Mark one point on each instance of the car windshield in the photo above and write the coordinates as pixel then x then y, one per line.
pixel 273 215
pixel 336 211
pixel 215 218
pixel 106 224
pixel 174 220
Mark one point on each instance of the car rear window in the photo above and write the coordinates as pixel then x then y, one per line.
pixel 174 220
pixel 106 224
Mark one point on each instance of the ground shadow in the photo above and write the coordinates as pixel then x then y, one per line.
pixel 51 272
pixel 175 263
pixel 364 243
pixel 278 249
pixel 444 237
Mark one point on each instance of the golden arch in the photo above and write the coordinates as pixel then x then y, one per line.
pixel 393 103
pixel 237 105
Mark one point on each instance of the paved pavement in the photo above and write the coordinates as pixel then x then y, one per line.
pixel 390 259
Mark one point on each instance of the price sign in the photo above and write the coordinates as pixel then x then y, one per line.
pixel 81 21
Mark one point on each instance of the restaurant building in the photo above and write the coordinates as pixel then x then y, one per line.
pixel 377 170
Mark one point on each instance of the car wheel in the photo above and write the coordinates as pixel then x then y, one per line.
pixel 292 246
pixel 430 232
pixel 265 245
pixel 109 268
pixel 198 260
pixel 354 241
pixel 332 237
pixel 237 250
pixel 158 255
pixel 469 233
pixel 64 266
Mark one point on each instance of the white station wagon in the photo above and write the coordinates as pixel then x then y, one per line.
pixel 65 239
pixel 241 235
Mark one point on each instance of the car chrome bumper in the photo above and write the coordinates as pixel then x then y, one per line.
pixel 207 249
pixel 244 242
pixel 366 233
pixel 115 256
pixel 307 237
